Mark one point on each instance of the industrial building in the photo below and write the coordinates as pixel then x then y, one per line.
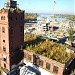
pixel 11 36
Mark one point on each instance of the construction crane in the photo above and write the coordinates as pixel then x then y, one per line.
pixel 53 15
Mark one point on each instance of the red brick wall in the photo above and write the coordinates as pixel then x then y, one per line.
pixel 17 21
pixel 50 61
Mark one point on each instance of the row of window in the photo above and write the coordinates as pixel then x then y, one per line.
pixel 3 30
pixel 11 29
pixel 55 68
pixel 41 63
pixel 3 18
pixel 4 48
pixel 15 18
pixel 4 58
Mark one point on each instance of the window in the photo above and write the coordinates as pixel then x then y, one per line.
pixel 11 51
pixel 55 69
pixel 11 48
pixel 10 18
pixel 4 41
pixel 4 58
pixel 47 66
pixel 2 17
pixel 16 18
pixel 11 42
pixel 29 57
pixel 21 29
pixel 4 48
pixel 11 30
pixel 4 65
pixel 3 29
pixel 41 63
pixel 21 18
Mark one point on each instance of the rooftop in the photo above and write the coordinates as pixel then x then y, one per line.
pixel 50 50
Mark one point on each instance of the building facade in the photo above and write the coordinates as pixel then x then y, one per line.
pixel 43 64
pixel 11 35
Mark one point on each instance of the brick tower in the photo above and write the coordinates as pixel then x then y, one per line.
pixel 11 34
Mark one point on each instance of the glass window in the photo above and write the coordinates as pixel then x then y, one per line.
pixel 41 63
pixel 11 49
pixel 4 58
pixel 2 17
pixel 10 18
pixel 55 69
pixel 4 65
pixel 47 66
pixel 21 18
pixel 16 18
pixel 4 48
pixel 3 29
pixel 29 57
pixel 11 42
pixel 11 30
pixel 21 29
pixel 4 41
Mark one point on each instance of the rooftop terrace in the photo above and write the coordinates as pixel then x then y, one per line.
pixel 49 49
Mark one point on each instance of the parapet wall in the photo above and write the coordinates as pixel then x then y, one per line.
pixel 48 64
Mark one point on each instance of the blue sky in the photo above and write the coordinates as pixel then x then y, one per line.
pixel 45 6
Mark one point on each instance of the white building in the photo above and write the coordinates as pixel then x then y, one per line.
pixel 67 24
pixel 28 70
pixel 72 24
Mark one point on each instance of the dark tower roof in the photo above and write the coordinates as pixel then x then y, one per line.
pixel 11 4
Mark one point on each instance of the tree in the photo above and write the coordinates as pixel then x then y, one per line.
pixel 71 32
pixel 49 49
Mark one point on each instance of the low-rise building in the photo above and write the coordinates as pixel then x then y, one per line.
pixel 72 24
pixel 44 64
pixel 47 66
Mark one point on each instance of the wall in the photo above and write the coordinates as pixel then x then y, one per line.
pixel 44 59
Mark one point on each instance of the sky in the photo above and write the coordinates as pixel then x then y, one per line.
pixel 45 6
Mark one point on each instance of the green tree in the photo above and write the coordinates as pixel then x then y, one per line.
pixel 71 32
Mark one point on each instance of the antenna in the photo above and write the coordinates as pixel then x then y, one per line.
pixel 53 14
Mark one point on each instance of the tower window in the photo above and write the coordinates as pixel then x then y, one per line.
pixel 4 65
pixel 11 42
pixel 10 18
pixel 11 49
pixel 2 17
pixel 4 41
pixel 16 18
pixel 21 18
pixel 4 58
pixel 21 29
pixel 4 48
pixel 11 30
pixel 3 29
